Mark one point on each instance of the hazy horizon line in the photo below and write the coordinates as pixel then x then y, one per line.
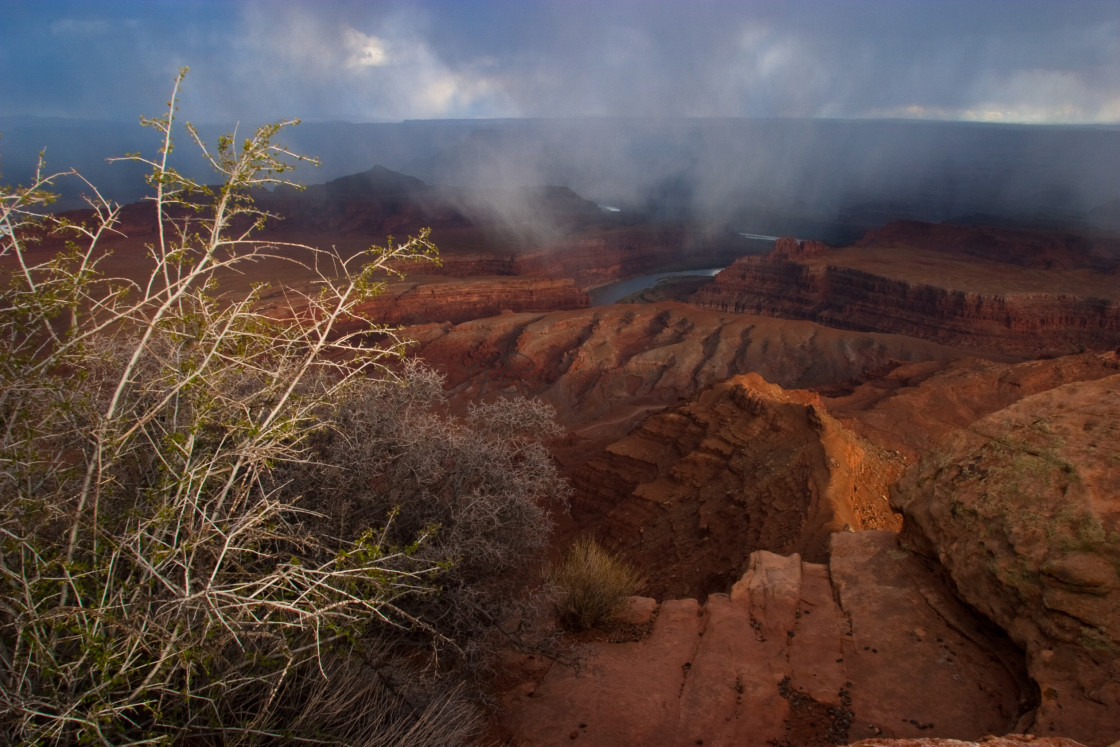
pixel 60 119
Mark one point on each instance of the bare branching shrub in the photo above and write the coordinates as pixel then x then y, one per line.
pixel 479 489
pixel 592 584
pixel 162 576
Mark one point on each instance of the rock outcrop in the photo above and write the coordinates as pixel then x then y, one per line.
pixel 939 292
pixel 912 405
pixel 1022 511
pixel 798 654
pixel 743 466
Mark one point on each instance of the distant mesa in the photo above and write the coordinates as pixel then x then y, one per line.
pixel 1034 248
pixel 379 182
pixel 1001 291
pixel 382 201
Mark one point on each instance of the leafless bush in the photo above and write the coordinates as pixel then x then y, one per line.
pixel 480 489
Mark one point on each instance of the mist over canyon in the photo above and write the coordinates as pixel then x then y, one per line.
pixel 825 179
pixel 867 469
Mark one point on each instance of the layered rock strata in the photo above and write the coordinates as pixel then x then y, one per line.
pixel 943 295
pixel 1049 250
pixel 604 367
pixel 459 300
pixel 743 466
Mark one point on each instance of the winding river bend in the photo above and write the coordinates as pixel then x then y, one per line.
pixel 613 293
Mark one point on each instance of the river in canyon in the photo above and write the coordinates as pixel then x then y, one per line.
pixel 613 293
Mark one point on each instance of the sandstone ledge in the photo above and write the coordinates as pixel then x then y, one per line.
pixel 871 645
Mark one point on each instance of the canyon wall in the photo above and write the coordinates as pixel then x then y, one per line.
pixel 1028 324
pixel 890 282
pixel 603 367
pixel 460 299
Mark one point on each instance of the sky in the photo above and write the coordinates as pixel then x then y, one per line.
pixel 1024 61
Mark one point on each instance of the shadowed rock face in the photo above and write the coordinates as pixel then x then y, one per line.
pixel 743 466
pixel 1022 510
pixel 1015 292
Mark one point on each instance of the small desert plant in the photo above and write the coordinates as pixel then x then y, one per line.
pixel 592 584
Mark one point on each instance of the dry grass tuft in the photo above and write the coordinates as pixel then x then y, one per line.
pixel 592 583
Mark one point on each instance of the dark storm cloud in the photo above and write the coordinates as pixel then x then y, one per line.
pixel 974 60
pixel 1010 60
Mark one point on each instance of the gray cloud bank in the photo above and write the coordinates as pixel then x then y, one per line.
pixel 826 179
pixel 1042 61
pixel 752 114
pixel 766 176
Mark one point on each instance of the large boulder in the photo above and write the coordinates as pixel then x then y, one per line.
pixel 1022 510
